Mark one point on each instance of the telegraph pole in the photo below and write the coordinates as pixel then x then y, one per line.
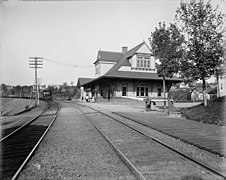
pixel 36 63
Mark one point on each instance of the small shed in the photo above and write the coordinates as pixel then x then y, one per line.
pixel 197 93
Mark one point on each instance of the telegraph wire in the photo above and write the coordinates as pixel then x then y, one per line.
pixel 66 64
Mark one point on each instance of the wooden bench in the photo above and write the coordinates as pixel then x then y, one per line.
pixel 148 105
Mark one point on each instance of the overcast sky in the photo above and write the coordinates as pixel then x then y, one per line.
pixel 71 32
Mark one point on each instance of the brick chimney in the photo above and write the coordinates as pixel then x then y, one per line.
pixel 124 49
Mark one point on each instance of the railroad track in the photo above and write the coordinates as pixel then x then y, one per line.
pixel 21 122
pixel 102 121
pixel 17 147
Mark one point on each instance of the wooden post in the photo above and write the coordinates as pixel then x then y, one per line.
pixel 164 91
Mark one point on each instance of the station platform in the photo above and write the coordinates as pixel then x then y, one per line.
pixel 206 136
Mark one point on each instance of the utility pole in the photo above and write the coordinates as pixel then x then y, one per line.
pixel 36 63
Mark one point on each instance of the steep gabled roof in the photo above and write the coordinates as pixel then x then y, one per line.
pixel 108 56
pixel 82 81
pixel 124 60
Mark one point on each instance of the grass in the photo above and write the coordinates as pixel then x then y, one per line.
pixel 213 113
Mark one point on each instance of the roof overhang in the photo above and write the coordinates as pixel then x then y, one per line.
pixel 145 77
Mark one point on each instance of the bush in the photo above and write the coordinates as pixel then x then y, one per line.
pixel 27 107
pixel 213 113
pixel 180 94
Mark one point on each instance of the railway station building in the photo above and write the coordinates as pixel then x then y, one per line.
pixel 129 73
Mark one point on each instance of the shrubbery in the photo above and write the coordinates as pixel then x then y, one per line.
pixel 213 113
pixel 27 107
pixel 180 94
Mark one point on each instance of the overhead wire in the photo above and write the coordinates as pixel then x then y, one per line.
pixel 57 62
pixel 69 65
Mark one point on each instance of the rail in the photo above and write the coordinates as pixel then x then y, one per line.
pixel 17 150
pixel 190 159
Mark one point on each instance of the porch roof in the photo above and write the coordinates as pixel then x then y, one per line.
pixel 132 75
pixel 82 81
pixel 138 75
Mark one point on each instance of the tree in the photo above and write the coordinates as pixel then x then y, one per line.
pixel 220 70
pixel 166 44
pixel 71 83
pixel 4 90
pixel 53 89
pixel 202 27
pixel 64 84
pixel 17 90
pixel 3 87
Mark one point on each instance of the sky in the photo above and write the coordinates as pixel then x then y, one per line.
pixel 68 35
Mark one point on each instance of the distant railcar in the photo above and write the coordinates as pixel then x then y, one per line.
pixel 47 95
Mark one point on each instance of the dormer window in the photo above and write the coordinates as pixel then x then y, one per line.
pixel 138 63
pixel 148 65
pixel 143 62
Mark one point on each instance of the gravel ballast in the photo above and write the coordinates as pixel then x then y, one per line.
pixel 73 149
pixel 154 161
pixel 205 157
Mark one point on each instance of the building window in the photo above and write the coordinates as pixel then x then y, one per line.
pixel 148 65
pixel 159 92
pixel 142 91
pixel 159 89
pixel 144 62
pixel 141 63
pixel 138 91
pixel 146 91
pixel 124 90
pixel 138 63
